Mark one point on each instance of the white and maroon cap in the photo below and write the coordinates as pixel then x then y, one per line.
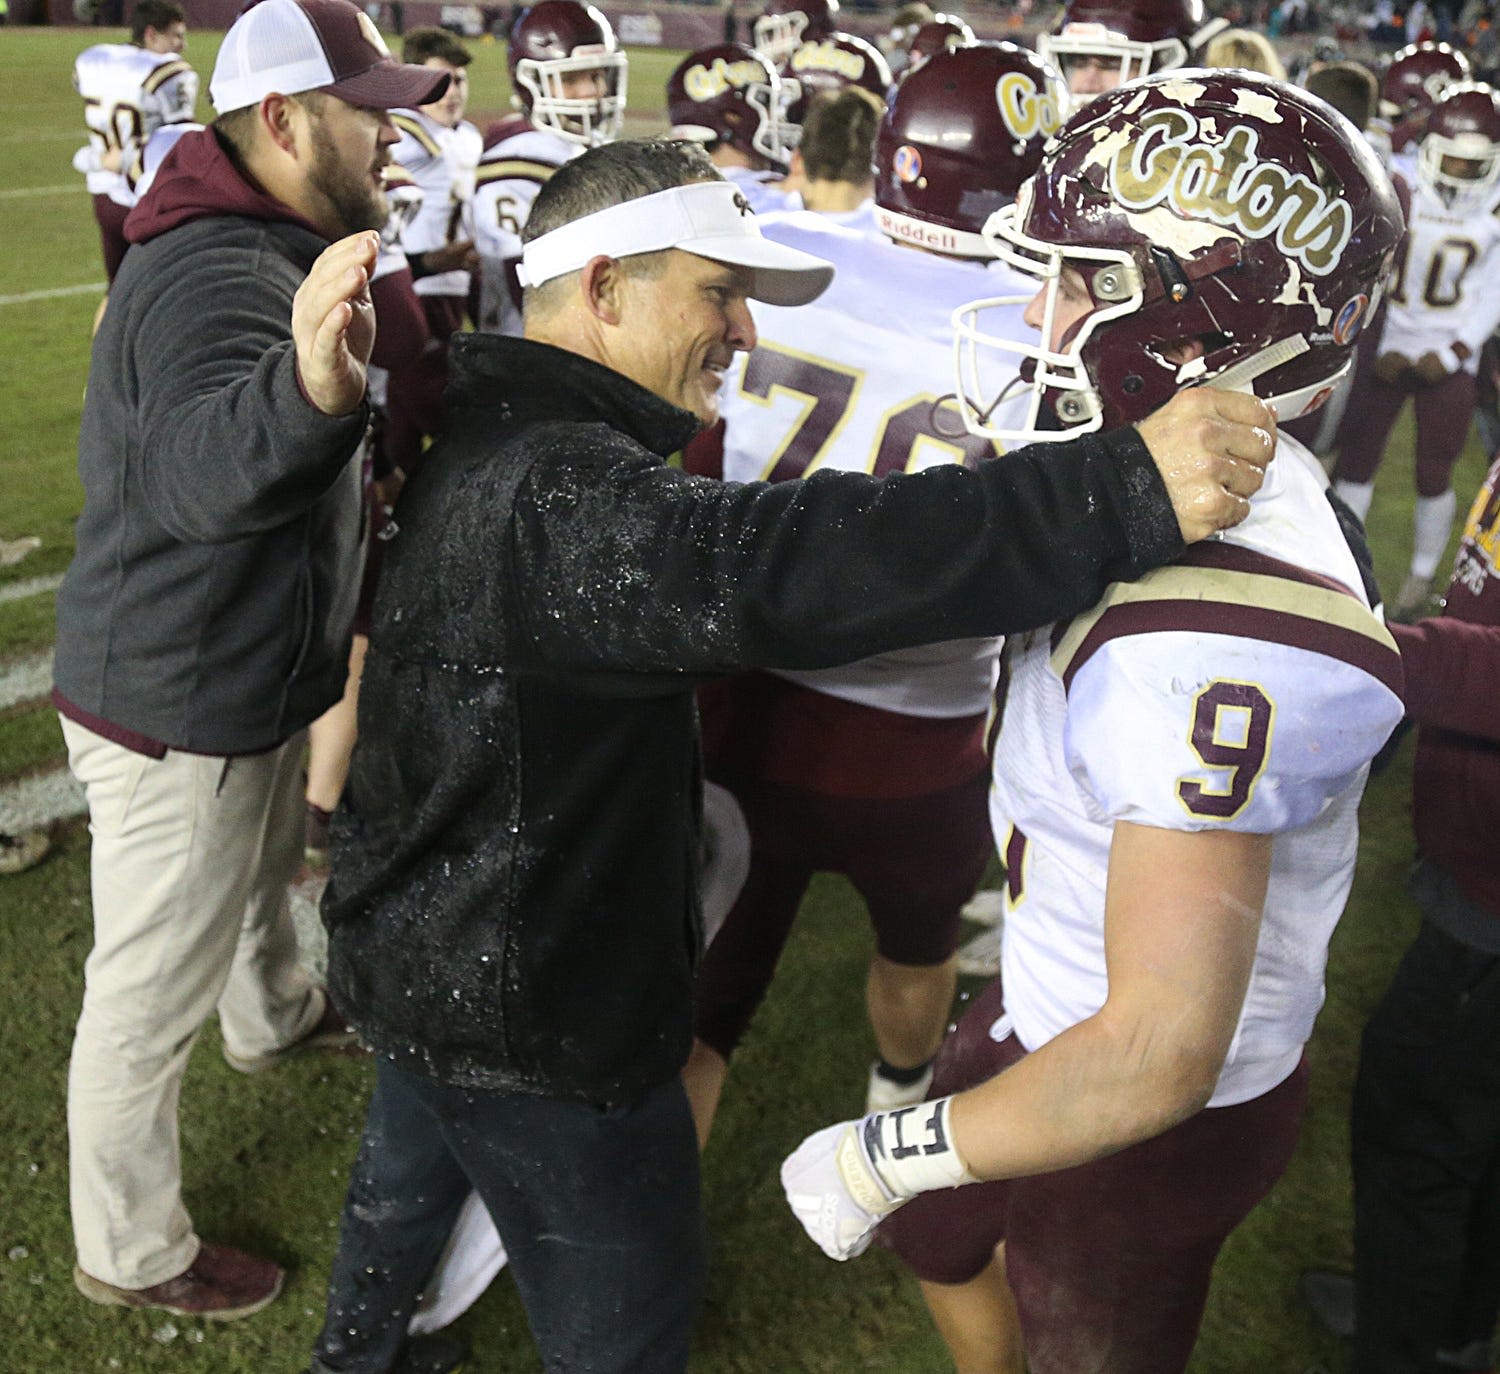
pixel 286 47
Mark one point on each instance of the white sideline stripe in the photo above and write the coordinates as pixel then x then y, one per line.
pixel 29 586
pixel 25 679
pixel 83 289
pixel 21 192
pixel 40 800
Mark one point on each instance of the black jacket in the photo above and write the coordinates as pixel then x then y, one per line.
pixel 513 902
pixel 217 564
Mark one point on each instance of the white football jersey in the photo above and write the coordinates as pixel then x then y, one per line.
pixel 142 169
pixel 762 190
pixel 404 198
pixel 128 93
pixel 507 181
pixel 1245 687
pixel 857 381
pixel 1446 286
pixel 441 161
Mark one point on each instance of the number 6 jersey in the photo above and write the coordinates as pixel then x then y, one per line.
pixel 1245 687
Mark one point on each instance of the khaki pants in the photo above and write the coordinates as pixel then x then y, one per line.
pixel 190 865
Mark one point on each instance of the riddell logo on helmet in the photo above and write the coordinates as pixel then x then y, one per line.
pixel 1026 110
pixel 828 57
pixel 1224 181
pixel 704 83
pixel 915 231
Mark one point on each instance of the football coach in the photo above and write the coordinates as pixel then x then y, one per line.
pixel 513 915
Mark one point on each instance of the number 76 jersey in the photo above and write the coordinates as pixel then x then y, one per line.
pixel 1244 688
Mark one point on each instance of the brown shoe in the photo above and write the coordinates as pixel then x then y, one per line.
pixel 330 1033
pixel 221 1284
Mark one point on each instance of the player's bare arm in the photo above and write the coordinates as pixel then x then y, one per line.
pixel 333 324
pixel 1179 954
pixel 1211 447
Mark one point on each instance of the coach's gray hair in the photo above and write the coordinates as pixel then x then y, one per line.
pixel 602 177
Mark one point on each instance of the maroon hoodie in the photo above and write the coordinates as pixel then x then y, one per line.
pixel 1452 667
pixel 199 178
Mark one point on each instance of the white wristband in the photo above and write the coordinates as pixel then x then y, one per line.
pixel 912 1149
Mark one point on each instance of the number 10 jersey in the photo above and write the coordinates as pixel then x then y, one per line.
pixel 1245 687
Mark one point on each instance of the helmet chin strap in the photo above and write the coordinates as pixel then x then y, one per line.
pixel 1240 375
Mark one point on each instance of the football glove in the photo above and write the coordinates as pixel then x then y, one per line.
pixel 832 1187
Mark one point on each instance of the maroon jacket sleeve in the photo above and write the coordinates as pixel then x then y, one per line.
pixel 1452 668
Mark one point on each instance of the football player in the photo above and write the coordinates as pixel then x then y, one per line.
pixel 439 150
pixel 1177 771
pixel 876 770
pixel 829 64
pixel 1100 43
pixel 129 91
pixel 729 98
pixel 568 81
pixel 832 168
pixel 1443 304
pixel 939 33
pixel 784 25
pixel 1410 86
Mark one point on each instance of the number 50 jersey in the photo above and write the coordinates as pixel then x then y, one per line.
pixel 1246 688
pixel 857 382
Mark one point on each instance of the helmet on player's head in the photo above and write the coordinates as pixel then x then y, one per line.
pixel 1464 127
pixel 961 134
pixel 1417 76
pixel 554 46
pixel 830 64
pixel 1138 37
pixel 1215 211
pixel 784 24
pixel 938 34
pixel 728 93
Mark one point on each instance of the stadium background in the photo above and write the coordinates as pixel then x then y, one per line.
pixel 266 1159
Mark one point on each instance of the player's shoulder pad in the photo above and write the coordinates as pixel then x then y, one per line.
pixel 164 73
pixel 1230 690
pixel 411 127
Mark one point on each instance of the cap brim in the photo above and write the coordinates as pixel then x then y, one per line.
pixel 391 85
pixel 779 275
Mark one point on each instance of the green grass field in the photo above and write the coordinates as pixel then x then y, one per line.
pixel 265 1159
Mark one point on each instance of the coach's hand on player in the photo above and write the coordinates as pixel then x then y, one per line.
pixel 1211 448
pixel 333 324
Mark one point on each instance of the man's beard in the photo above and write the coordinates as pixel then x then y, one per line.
pixel 356 200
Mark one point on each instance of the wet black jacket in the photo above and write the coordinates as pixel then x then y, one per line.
pixel 513 903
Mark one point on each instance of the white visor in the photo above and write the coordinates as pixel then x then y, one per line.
pixel 710 219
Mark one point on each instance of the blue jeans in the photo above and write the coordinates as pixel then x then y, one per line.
pixel 598 1208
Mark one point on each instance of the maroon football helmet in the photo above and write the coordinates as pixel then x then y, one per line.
pixel 1417 76
pixel 728 93
pixel 1460 152
pixel 938 34
pixel 1222 209
pixel 830 64
pixel 1139 36
pixel 785 24
pixel 553 43
pixel 962 132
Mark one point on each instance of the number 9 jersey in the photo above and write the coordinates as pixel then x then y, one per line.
pixel 1245 687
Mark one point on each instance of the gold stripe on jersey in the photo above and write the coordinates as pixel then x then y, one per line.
pixel 408 125
pixel 1222 589
pixel 513 169
pixel 162 75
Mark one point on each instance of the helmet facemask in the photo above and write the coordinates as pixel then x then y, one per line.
pixel 779 35
pixel 588 120
pixel 1459 191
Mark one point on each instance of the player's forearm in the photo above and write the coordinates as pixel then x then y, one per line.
pixel 1449 665
pixel 1097 1088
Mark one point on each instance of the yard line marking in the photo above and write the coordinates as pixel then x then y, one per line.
pixel 48 136
pixel 21 191
pixel 39 800
pixel 28 678
pixel 52 293
pixel 29 586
